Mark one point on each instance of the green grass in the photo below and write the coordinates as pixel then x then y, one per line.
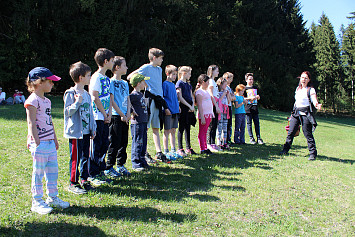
pixel 247 191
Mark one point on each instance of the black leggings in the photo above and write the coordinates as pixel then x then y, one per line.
pixel 184 127
pixel 212 129
pixel 307 131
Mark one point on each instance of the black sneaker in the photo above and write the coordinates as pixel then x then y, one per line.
pixel 312 157
pixel 190 152
pixel 87 186
pixel 149 159
pixel 161 157
pixel 252 141
pixel 283 152
pixel 209 152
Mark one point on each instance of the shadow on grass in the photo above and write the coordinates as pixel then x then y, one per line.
pixel 143 214
pixel 326 158
pixel 55 229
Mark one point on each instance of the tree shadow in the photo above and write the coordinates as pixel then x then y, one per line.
pixel 143 214
pixel 55 229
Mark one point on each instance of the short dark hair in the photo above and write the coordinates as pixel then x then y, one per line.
pixel 117 61
pixel 154 52
pixel 102 54
pixel 248 75
pixel 78 69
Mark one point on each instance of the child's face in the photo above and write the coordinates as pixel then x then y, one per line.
pixel 186 75
pixel 122 70
pixel 241 92
pixel 215 72
pixel 47 85
pixel 173 76
pixel 224 85
pixel 109 64
pixel 157 61
pixel 250 80
pixel 141 85
pixel 86 79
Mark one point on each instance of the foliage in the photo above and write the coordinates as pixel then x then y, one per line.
pixel 267 37
pixel 327 65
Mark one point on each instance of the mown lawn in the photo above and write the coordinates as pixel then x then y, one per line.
pixel 247 191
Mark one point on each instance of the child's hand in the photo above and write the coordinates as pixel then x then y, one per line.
pixel 218 111
pixel 124 118
pixel 203 120
pixel 93 135
pixel 192 108
pixel 318 106
pixel 167 112
pixel 257 97
pixel 56 144
pixel 78 98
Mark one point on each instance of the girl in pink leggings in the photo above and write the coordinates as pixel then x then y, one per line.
pixel 205 111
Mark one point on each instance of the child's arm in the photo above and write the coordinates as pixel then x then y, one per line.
pixel 200 109
pixel 97 101
pixel 210 90
pixel 71 103
pixel 182 100
pixel 31 124
pixel 132 73
pixel 55 140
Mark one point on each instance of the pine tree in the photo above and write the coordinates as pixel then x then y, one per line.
pixel 348 59
pixel 327 65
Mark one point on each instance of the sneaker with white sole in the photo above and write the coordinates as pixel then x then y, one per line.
pixel 112 173
pixel 212 148
pixel 40 207
pixel 139 169
pixel 181 152
pixel 76 188
pixel 95 181
pixel 57 202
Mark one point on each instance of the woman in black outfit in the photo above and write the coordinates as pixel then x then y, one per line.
pixel 305 98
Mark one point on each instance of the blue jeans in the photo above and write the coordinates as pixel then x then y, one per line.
pixel 253 116
pixel 79 158
pixel 239 132
pixel 139 145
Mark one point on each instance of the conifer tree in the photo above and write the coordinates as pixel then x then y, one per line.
pixel 327 65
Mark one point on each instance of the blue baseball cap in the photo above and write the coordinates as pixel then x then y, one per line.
pixel 39 72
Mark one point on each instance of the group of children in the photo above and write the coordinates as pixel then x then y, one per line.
pixel 97 123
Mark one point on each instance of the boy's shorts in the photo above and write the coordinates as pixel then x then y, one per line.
pixel 154 121
pixel 171 121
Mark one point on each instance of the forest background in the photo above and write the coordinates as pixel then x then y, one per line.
pixel 267 37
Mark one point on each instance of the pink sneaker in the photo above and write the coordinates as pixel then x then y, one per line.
pixel 181 152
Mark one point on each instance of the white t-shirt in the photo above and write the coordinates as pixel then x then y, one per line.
pixel 215 91
pixel 2 96
pixel 101 84
pixel 302 98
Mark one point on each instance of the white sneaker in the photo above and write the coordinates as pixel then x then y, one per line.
pixel 212 148
pixel 40 207
pixel 57 202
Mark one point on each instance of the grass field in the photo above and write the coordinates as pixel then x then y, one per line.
pixel 247 191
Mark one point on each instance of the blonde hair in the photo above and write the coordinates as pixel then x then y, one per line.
pixel 169 69
pixel 184 69
pixel 31 85
pixel 228 75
